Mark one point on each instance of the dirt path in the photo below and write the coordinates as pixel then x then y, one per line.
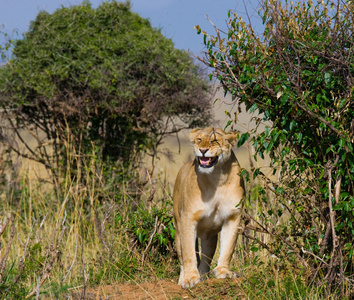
pixel 208 289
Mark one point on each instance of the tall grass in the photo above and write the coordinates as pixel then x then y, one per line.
pixel 109 224
pixel 83 231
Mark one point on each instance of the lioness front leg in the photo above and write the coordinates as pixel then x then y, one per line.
pixel 228 237
pixel 189 275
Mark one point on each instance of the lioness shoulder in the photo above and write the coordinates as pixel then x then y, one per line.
pixel 207 200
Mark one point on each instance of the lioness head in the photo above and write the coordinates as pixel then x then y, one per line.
pixel 212 147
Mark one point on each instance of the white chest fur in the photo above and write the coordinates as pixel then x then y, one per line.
pixel 216 208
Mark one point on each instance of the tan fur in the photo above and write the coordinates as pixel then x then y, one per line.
pixel 207 201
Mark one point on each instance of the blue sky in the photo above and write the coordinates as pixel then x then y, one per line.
pixel 176 18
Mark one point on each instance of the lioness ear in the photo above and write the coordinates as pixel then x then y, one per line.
pixel 231 137
pixel 193 134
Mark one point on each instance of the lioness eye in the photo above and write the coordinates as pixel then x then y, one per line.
pixel 199 140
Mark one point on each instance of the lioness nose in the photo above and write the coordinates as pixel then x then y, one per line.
pixel 203 150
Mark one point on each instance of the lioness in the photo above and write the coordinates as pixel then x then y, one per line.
pixel 207 200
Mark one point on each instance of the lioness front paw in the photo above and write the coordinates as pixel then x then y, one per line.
pixel 221 272
pixel 189 281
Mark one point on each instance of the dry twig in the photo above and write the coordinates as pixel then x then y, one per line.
pixel 150 240
pixel 4 259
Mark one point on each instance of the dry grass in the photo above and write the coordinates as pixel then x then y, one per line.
pixel 75 235
pixel 85 241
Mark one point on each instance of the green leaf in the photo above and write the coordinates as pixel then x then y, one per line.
pixel 308 162
pixel 327 77
pixel 306 72
pixel 253 107
pixel 229 122
pixel 199 30
pixel 244 173
pixel 292 125
pixel 140 237
pixel 230 34
pixel 341 143
pixel 255 173
pixel 266 115
pixel 279 190
pixel 261 154
pixel 244 137
pixel 266 131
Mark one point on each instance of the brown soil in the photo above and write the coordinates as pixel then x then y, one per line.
pixel 208 289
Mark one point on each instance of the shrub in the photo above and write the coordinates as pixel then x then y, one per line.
pixel 299 75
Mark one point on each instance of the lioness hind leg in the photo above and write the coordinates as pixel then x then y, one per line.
pixel 208 246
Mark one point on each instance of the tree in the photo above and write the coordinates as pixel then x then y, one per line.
pixel 299 75
pixel 103 76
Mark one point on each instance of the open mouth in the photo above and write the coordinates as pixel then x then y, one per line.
pixel 207 162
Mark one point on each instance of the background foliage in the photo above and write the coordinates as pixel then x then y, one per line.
pixel 299 75
pixel 103 76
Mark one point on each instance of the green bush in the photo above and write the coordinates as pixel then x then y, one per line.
pixel 101 77
pixel 299 76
